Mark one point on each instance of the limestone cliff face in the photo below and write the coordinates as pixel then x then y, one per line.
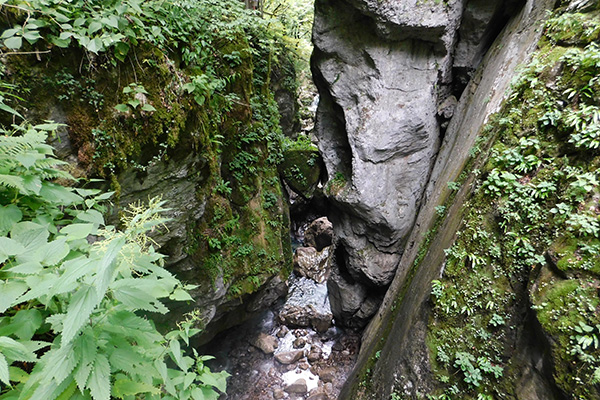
pixel 388 73
pixel 498 323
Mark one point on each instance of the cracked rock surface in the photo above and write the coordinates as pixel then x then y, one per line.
pixel 384 70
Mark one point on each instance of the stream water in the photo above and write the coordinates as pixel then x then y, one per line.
pixel 291 351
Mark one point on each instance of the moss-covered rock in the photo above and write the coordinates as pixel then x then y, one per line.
pixel 533 217
pixel 301 170
pixel 145 128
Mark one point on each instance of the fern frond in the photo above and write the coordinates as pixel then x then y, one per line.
pixel 13 182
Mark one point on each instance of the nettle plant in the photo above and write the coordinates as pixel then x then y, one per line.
pixel 74 292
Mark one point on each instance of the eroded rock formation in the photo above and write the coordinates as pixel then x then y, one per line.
pixel 385 73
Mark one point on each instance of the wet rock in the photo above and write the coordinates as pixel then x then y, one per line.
pixel 307 306
pixel 328 387
pixel 304 366
pixel 283 330
pixel 377 119
pixel 319 234
pixel 306 316
pixel 298 387
pixel 446 109
pixel 351 304
pixel 318 396
pixel 315 354
pixel 299 343
pixel 313 264
pixel 321 323
pixel 289 357
pixel 266 343
pixel 278 394
pixel 327 374
pixel 273 290
pixel 582 5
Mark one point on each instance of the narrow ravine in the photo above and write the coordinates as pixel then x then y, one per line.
pixel 293 350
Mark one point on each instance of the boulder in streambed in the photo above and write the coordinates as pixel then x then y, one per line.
pixel 313 264
pixel 266 343
pixel 289 357
pixel 307 305
pixel 298 387
pixel 319 234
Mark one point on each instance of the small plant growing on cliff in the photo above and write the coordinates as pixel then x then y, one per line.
pixel 137 94
pixel 336 184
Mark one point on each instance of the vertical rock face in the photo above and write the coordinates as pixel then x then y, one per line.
pixel 396 358
pixel 384 69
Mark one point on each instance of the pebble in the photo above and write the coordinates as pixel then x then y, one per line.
pixel 299 343
pixel 289 357
pixel 298 387
pixel 327 374
pixel 278 394
pixel 282 331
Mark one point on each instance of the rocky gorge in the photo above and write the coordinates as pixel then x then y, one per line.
pixel 409 111
pixel 429 230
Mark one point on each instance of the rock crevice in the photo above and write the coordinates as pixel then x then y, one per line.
pixel 384 70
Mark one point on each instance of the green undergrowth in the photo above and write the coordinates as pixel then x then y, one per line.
pixel 74 290
pixel 530 233
pixel 144 82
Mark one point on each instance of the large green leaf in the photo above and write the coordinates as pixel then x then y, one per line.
pixel 26 268
pixel 181 295
pixel 12 181
pixel 29 159
pixel 32 184
pixel 161 367
pixel 14 42
pixel 9 215
pixel 92 216
pixel 68 393
pixel 52 253
pixel 23 324
pixel 9 247
pixel 58 364
pixel 95 45
pixel 18 375
pixel 30 235
pixel 15 351
pixel 77 231
pixel 126 358
pixel 80 308
pixel 99 382
pixel 127 387
pixel 40 287
pixel 59 195
pixel 204 393
pixel 94 27
pixel 216 379
pixel 125 291
pixel 106 266
pixel 85 348
pixel 73 270
pixel 4 375
pixel 9 292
